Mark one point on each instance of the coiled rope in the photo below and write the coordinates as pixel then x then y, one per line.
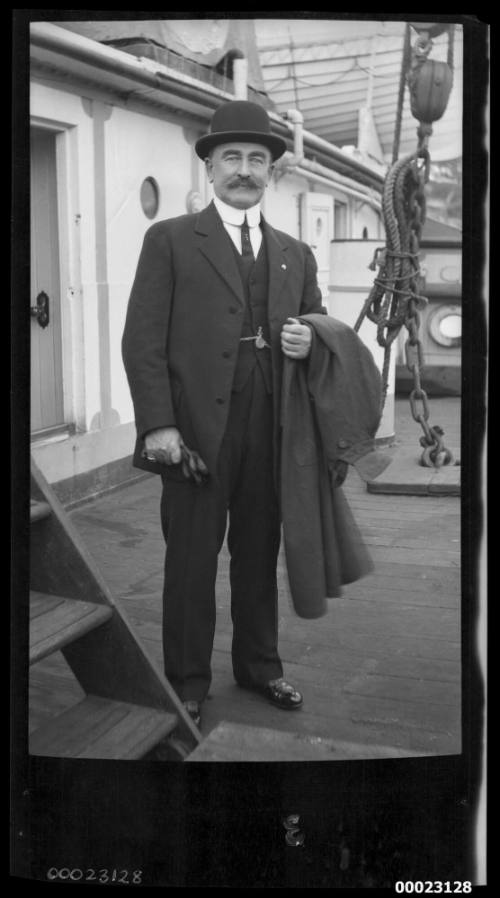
pixel 395 299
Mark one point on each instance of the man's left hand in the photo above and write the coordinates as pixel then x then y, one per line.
pixel 296 339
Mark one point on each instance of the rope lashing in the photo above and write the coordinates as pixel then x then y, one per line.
pixel 398 263
pixel 395 300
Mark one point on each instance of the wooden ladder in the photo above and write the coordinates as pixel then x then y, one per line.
pixel 130 710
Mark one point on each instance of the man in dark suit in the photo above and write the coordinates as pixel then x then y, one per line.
pixel 211 313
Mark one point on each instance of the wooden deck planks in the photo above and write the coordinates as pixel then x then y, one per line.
pixel 239 742
pixel 337 656
pixel 381 668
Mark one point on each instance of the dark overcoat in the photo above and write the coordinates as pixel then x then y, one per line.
pixel 184 323
pixel 330 414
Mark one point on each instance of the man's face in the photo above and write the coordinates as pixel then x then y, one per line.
pixel 240 173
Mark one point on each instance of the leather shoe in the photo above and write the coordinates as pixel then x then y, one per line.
pixel 283 694
pixel 193 709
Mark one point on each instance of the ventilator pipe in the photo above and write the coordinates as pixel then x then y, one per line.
pixel 329 152
pixel 312 175
pixel 297 120
pixel 289 161
pixel 312 168
pixel 240 77
pixel 313 171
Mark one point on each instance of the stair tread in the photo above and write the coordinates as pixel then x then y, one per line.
pixel 39 510
pixel 56 620
pixel 102 728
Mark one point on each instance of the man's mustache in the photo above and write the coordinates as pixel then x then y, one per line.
pixel 242 182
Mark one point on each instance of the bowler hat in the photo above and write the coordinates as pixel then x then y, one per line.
pixel 242 121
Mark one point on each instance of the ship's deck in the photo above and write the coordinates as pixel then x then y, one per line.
pixel 382 668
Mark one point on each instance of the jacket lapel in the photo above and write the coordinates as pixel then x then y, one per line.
pixel 278 265
pixel 215 246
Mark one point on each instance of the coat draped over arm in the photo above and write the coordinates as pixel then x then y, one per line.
pixel 329 415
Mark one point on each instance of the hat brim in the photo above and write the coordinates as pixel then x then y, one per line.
pixel 276 145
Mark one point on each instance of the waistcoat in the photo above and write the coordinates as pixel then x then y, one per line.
pixel 255 280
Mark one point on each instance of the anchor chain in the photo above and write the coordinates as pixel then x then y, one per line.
pixel 395 299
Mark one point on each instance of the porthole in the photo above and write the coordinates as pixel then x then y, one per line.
pixel 150 197
pixel 445 325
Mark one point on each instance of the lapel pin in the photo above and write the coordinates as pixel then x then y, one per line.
pixel 283 266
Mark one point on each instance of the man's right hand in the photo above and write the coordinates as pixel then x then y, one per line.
pixel 164 445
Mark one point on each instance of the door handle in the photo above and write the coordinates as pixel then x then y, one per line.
pixel 41 310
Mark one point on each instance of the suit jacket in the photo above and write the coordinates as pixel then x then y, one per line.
pixel 184 322
pixel 330 413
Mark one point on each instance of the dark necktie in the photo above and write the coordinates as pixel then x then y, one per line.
pixel 246 245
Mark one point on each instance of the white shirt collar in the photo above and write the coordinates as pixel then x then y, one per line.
pixel 236 217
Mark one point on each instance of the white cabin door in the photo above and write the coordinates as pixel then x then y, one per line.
pixel 317 231
pixel 47 409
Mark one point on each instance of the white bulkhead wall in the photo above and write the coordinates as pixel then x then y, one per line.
pixel 138 146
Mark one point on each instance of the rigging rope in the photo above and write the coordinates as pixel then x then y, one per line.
pixel 395 299
pixel 402 81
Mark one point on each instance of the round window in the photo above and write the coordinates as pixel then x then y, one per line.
pixel 451 327
pixel 150 197
pixel 445 325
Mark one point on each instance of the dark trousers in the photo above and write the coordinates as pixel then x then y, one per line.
pixel 194 522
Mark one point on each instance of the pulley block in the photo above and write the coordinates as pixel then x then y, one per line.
pixel 430 86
